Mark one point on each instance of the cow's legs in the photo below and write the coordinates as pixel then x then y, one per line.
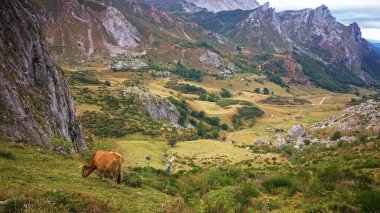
pixel 113 179
pixel 101 174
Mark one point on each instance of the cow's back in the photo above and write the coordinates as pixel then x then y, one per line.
pixel 107 161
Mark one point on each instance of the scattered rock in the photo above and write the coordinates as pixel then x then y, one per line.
pixel 365 116
pixel 261 141
pixel 297 131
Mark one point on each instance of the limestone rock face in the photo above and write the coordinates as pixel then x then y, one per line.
pixel 120 29
pixel 153 106
pixel 35 103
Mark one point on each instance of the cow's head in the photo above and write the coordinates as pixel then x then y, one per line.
pixel 86 171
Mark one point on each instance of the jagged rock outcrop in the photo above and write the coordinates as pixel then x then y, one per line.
pixel 364 117
pixel 153 106
pixel 35 103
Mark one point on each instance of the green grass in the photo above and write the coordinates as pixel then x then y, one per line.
pixel 39 181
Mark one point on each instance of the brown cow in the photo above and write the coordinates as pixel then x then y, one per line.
pixel 103 161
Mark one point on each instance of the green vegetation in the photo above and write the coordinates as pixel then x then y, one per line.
pixel 201 44
pixel 187 74
pixel 60 142
pixel 331 77
pixel 185 88
pixel 228 102
pixel 225 93
pixel 338 178
pixel 278 100
pixel 83 77
pixel 246 113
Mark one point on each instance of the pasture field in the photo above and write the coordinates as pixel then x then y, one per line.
pixel 35 180
pixel 319 179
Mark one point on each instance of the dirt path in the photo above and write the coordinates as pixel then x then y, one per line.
pixel 323 99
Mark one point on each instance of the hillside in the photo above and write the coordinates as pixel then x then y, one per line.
pixel 216 106
pixel 36 105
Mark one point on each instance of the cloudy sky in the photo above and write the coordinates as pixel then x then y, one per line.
pixel 365 12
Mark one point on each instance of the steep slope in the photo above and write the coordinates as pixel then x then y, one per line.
pixel 224 5
pixel 258 29
pixel 317 32
pixel 79 31
pixel 35 105
pixel 313 34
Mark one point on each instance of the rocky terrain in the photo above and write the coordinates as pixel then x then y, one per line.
pixel 153 106
pixel 364 117
pixel 36 105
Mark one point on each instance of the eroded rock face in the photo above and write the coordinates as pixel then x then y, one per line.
pixel 120 29
pixel 153 106
pixel 35 103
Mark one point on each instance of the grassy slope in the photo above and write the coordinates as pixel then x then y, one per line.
pixel 53 183
pixel 317 179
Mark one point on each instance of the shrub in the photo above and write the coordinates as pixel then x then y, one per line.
pixel 15 205
pixel 61 142
pixel 223 200
pixel 7 155
pixel 225 103
pixel 132 179
pixel 369 201
pixel 250 112
pixel 336 136
pixel 277 182
pixel 225 93
pixel 172 141
pixel 245 192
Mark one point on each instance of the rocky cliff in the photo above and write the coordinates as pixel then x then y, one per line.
pixel 36 105
pixel 153 106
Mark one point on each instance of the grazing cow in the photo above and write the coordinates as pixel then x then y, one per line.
pixel 103 161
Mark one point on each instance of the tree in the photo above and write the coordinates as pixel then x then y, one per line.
pixel 107 83
pixel 225 93
pixel 224 126
pixel 203 97
pixel 172 141
pixel 266 91
pixel 257 90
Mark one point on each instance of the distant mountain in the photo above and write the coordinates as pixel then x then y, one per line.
pixel 225 5
pixel 312 33
pixel 376 48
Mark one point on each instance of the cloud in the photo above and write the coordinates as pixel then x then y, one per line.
pixel 364 12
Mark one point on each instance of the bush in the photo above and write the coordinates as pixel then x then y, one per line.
pixel 223 200
pixel 250 112
pixel 225 103
pixel 132 179
pixel 336 136
pixel 277 182
pixel 172 141
pixel 61 142
pixel 7 155
pixel 369 201
pixel 225 93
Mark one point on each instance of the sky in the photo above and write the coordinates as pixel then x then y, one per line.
pixel 365 12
